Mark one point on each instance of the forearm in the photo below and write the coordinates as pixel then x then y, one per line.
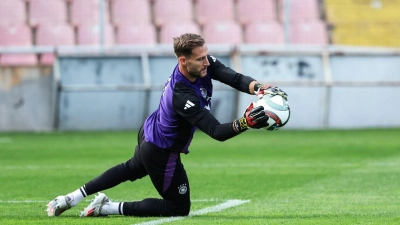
pixel 211 126
pixel 236 80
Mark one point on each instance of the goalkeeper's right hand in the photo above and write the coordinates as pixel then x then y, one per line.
pixel 252 118
pixel 261 89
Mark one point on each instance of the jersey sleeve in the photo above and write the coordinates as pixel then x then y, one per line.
pixel 187 104
pixel 228 76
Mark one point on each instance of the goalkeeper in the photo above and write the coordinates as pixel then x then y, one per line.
pixel 184 105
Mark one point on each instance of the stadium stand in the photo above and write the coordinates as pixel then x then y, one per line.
pixel 209 11
pixel 136 34
pixel 367 34
pixel 47 12
pixel 87 12
pixel 12 12
pixel 301 10
pixel 170 30
pixel 218 32
pixel 250 11
pixel 16 35
pixel 264 33
pixel 54 35
pixel 366 11
pixel 306 26
pixel 156 21
pixel 308 32
pixel 89 35
pixel 166 11
pixel 367 23
pixel 128 12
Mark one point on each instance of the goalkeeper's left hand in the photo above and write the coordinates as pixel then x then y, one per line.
pixel 261 89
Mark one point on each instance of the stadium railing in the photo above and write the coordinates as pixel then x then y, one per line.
pixel 236 54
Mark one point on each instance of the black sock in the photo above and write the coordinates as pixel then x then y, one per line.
pixel 110 178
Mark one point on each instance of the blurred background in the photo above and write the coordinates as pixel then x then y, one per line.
pixel 101 64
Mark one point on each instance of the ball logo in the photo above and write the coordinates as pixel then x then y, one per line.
pixel 283 107
pixel 182 189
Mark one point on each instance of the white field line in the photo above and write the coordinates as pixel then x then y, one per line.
pixel 216 208
pixel 89 200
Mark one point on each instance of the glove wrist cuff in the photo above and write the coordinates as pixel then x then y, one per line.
pixel 240 125
pixel 257 87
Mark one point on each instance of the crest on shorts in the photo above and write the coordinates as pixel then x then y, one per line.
pixel 182 189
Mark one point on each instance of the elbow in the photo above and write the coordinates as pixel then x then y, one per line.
pixel 220 139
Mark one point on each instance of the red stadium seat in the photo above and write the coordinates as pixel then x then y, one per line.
pixel 127 12
pixel 90 35
pixel 264 33
pixel 222 33
pixel 86 12
pixel 54 35
pixel 16 35
pixel 208 11
pixel 171 30
pixel 302 10
pixel 136 34
pixel 249 11
pixel 310 32
pixel 47 12
pixel 12 12
pixel 172 11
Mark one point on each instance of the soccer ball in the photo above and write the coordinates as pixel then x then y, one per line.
pixel 277 108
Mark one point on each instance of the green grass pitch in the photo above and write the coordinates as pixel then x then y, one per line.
pixel 289 176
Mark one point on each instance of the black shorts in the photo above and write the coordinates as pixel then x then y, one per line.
pixel 165 169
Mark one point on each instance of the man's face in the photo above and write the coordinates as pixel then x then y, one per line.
pixel 197 63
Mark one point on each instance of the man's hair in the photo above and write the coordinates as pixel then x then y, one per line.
pixel 184 44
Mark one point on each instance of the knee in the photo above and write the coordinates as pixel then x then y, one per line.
pixel 181 209
pixel 184 211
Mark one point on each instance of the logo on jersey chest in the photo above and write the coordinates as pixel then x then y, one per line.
pixel 188 104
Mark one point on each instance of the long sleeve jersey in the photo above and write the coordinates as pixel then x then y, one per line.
pixel 185 105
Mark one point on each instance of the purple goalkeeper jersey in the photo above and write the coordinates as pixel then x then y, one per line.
pixel 171 125
pixel 185 105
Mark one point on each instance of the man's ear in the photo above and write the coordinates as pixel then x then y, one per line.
pixel 182 60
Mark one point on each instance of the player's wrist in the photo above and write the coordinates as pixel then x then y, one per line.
pixel 240 125
pixel 259 86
